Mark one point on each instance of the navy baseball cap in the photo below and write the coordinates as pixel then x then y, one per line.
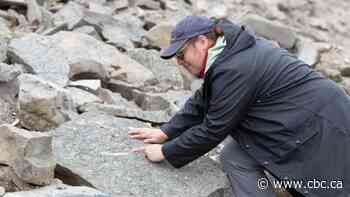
pixel 186 29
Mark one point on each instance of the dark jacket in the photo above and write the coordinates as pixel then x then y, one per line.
pixel 288 117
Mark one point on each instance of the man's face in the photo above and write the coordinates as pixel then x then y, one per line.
pixel 192 55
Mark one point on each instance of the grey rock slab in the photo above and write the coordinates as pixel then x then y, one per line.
pixel 11 182
pixel 51 57
pixel 89 30
pixel 87 85
pixel 34 13
pixel 42 105
pixel 81 97
pixel 168 74
pixel 59 190
pixel 28 153
pixel 159 35
pixel 171 101
pixel 344 70
pixel 117 32
pixel 310 52
pixel 8 72
pixel 87 69
pixel 7 112
pixel 271 30
pixel 128 174
pixel 158 117
pixel 72 13
pixel 114 98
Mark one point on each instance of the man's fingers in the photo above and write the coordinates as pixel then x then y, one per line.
pixel 150 141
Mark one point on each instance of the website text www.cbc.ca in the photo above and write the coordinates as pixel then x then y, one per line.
pixel 263 184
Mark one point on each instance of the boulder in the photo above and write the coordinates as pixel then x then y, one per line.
pixel 271 30
pixel 89 30
pixel 344 70
pixel 171 101
pixel 7 112
pixel 81 97
pixel 156 117
pixel 209 8
pixel 159 36
pixel 28 153
pixel 59 190
pixel 42 105
pixel 51 57
pixel 5 35
pixel 87 69
pixel 8 72
pixel 148 4
pixel 34 13
pixel 310 52
pixel 117 32
pixel 332 74
pixel 167 74
pixel 108 165
pixel 114 98
pixel 72 14
pixel 11 182
pixel 88 85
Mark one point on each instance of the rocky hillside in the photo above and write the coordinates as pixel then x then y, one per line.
pixel 75 74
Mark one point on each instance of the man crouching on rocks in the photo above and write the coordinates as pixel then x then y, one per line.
pixel 280 115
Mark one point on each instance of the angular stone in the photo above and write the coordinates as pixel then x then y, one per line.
pixel 88 85
pixel 56 29
pixel 28 153
pixel 72 13
pixel 59 190
pixel 5 35
pixel 119 32
pixel 8 73
pixel 114 98
pixel 128 173
pixel 158 117
pixel 42 105
pixel 89 30
pixel 310 52
pixel 171 101
pixel 87 69
pixel 211 8
pixel 271 30
pixel 11 182
pixel 99 8
pixel 168 74
pixel 148 4
pixel 159 36
pixel 81 97
pixel 50 57
pixel 34 13
pixel 332 74
pixel 7 112
pixel 344 70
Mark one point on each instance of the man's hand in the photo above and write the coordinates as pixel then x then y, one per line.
pixel 153 152
pixel 148 135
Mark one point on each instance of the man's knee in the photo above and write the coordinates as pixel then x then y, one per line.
pixel 233 157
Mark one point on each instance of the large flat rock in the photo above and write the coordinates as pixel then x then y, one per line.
pixel 79 144
pixel 51 57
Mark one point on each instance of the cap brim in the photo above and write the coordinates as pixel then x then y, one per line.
pixel 170 52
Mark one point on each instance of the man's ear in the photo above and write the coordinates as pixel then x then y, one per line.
pixel 203 42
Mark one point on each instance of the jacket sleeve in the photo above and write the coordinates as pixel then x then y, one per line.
pixel 231 93
pixel 191 114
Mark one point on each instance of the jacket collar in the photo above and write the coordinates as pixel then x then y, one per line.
pixel 237 37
